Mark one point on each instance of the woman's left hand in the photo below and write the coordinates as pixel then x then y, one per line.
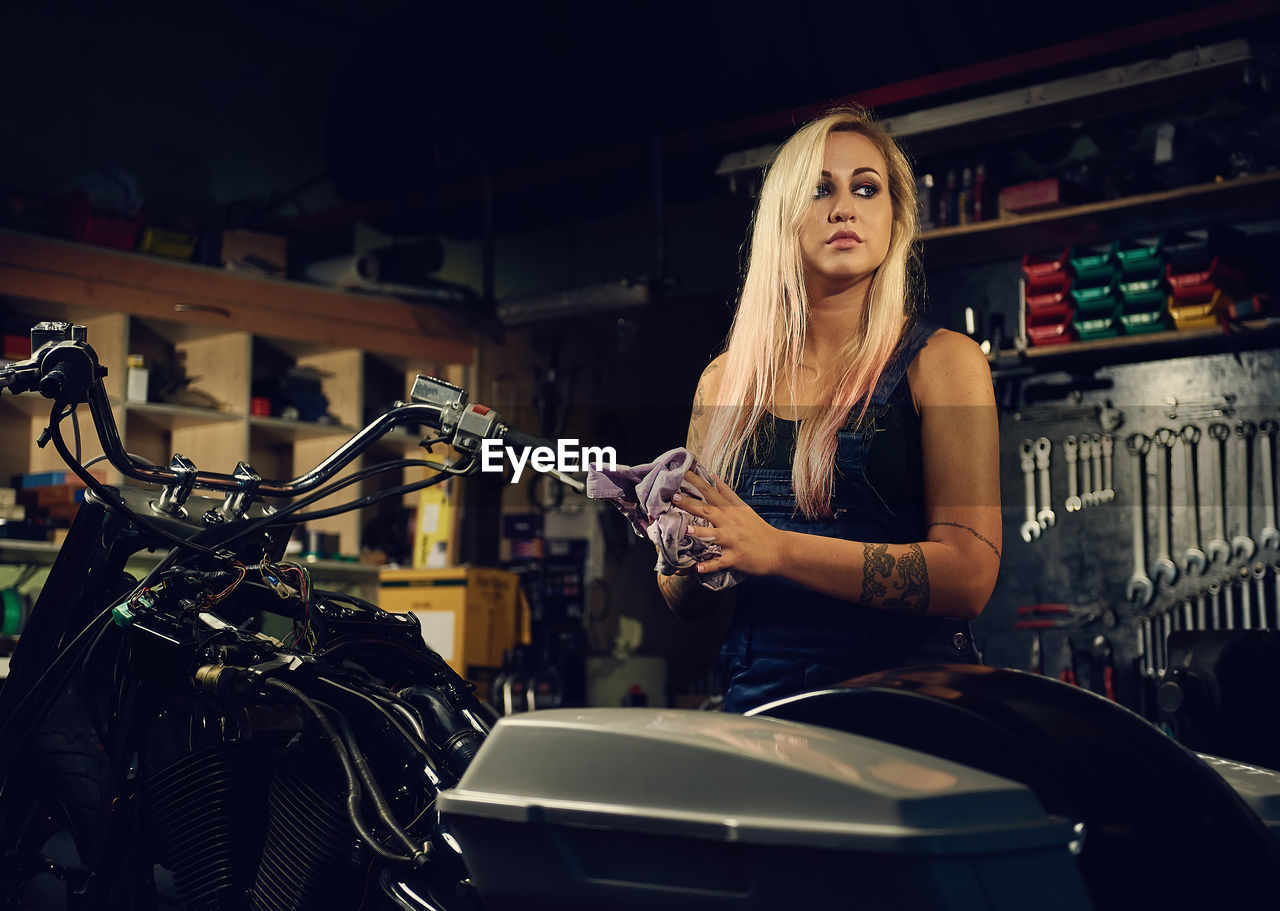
pixel 747 542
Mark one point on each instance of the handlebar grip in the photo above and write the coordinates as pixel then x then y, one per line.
pixel 513 437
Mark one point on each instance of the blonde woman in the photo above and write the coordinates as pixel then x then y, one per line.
pixel 855 445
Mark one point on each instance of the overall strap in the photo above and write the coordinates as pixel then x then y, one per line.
pixel 913 339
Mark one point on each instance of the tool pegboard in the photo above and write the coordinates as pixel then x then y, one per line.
pixel 1172 431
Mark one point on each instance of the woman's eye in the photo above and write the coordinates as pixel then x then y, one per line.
pixel 866 191
pixel 821 190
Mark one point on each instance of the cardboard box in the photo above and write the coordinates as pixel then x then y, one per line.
pixel 470 615
pixel 253 251
pixel 435 539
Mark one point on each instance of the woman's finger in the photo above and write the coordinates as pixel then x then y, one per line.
pixel 713 565
pixel 691 505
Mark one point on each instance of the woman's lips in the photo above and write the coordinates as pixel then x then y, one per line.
pixel 844 240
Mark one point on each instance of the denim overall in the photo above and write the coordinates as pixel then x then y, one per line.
pixel 786 639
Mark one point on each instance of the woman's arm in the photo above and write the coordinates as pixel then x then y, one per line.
pixel 950 573
pixel 687 599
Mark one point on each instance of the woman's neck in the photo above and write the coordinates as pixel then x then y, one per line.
pixel 832 319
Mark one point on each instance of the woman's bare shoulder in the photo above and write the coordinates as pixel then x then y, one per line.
pixel 712 374
pixel 950 369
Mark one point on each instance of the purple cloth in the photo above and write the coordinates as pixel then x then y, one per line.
pixel 643 494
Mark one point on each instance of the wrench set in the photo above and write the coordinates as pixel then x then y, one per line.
pixel 1207 533
pixel 1088 462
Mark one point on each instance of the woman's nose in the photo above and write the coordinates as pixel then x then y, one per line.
pixel 842 209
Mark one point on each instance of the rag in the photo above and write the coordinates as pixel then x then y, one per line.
pixel 643 494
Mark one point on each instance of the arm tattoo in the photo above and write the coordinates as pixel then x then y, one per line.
pixel 973 532
pixel 699 409
pixel 905 591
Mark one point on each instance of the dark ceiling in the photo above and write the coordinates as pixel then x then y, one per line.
pixel 558 103
pixel 447 91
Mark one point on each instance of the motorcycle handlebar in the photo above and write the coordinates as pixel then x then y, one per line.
pixel 64 367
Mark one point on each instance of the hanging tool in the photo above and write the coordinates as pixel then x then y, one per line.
pixel 1258 573
pixel 1140 589
pixel 1194 560
pixel 1046 516
pixel 1031 526
pixel 1270 536
pixel 1040 617
pixel 1217 503
pixel 1103 670
pixel 1108 492
pixel 1069 445
pixel 1086 470
pixel 1095 455
pixel 1163 569
pixel 1243 547
pixel 1067 661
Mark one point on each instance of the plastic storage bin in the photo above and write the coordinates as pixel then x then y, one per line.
pixel 1104 326
pixel 1139 257
pixel 1047 273
pixel 1095 301
pixel 1218 274
pixel 648 808
pixel 1093 265
pixel 1202 314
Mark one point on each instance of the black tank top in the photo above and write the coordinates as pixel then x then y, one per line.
pixel 894 466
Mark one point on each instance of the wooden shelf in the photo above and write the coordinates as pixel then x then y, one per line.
pixel 286 431
pixel 348 573
pixel 97 278
pixel 1133 348
pixel 1167 210
pixel 177 417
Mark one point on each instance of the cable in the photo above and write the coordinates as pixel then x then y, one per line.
pixel 376 796
pixel 371 499
pixel 353 783
pixel 110 497
pixel 277 517
pixel 75 429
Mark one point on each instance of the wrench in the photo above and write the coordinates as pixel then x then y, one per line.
pixel 1246 598
pixel 1045 516
pixel 1030 528
pixel 1215 602
pixel 1275 579
pixel 1069 444
pixel 1194 560
pixel 1228 603
pixel 1095 455
pixel 1259 573
pixel 1218 546
pixel 1108 492
pixel 1243 546
pixel 1164 568
pixel 1163 644
pixel 1140 588
pixel 1147 648
pixel 1270 536
pixel 1086 469
pixel 1202 621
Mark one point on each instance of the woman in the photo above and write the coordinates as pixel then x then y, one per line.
pixel 857 445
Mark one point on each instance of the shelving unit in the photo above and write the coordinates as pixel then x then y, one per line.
pixel 223 326
pixel 358 578
pixel 1129 349
pixel 1013 235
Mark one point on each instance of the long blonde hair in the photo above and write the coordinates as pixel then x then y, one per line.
pixel 767 338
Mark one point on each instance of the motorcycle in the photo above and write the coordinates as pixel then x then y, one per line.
pixel 159 748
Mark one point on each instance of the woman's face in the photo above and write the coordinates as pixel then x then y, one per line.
pixel 845 234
